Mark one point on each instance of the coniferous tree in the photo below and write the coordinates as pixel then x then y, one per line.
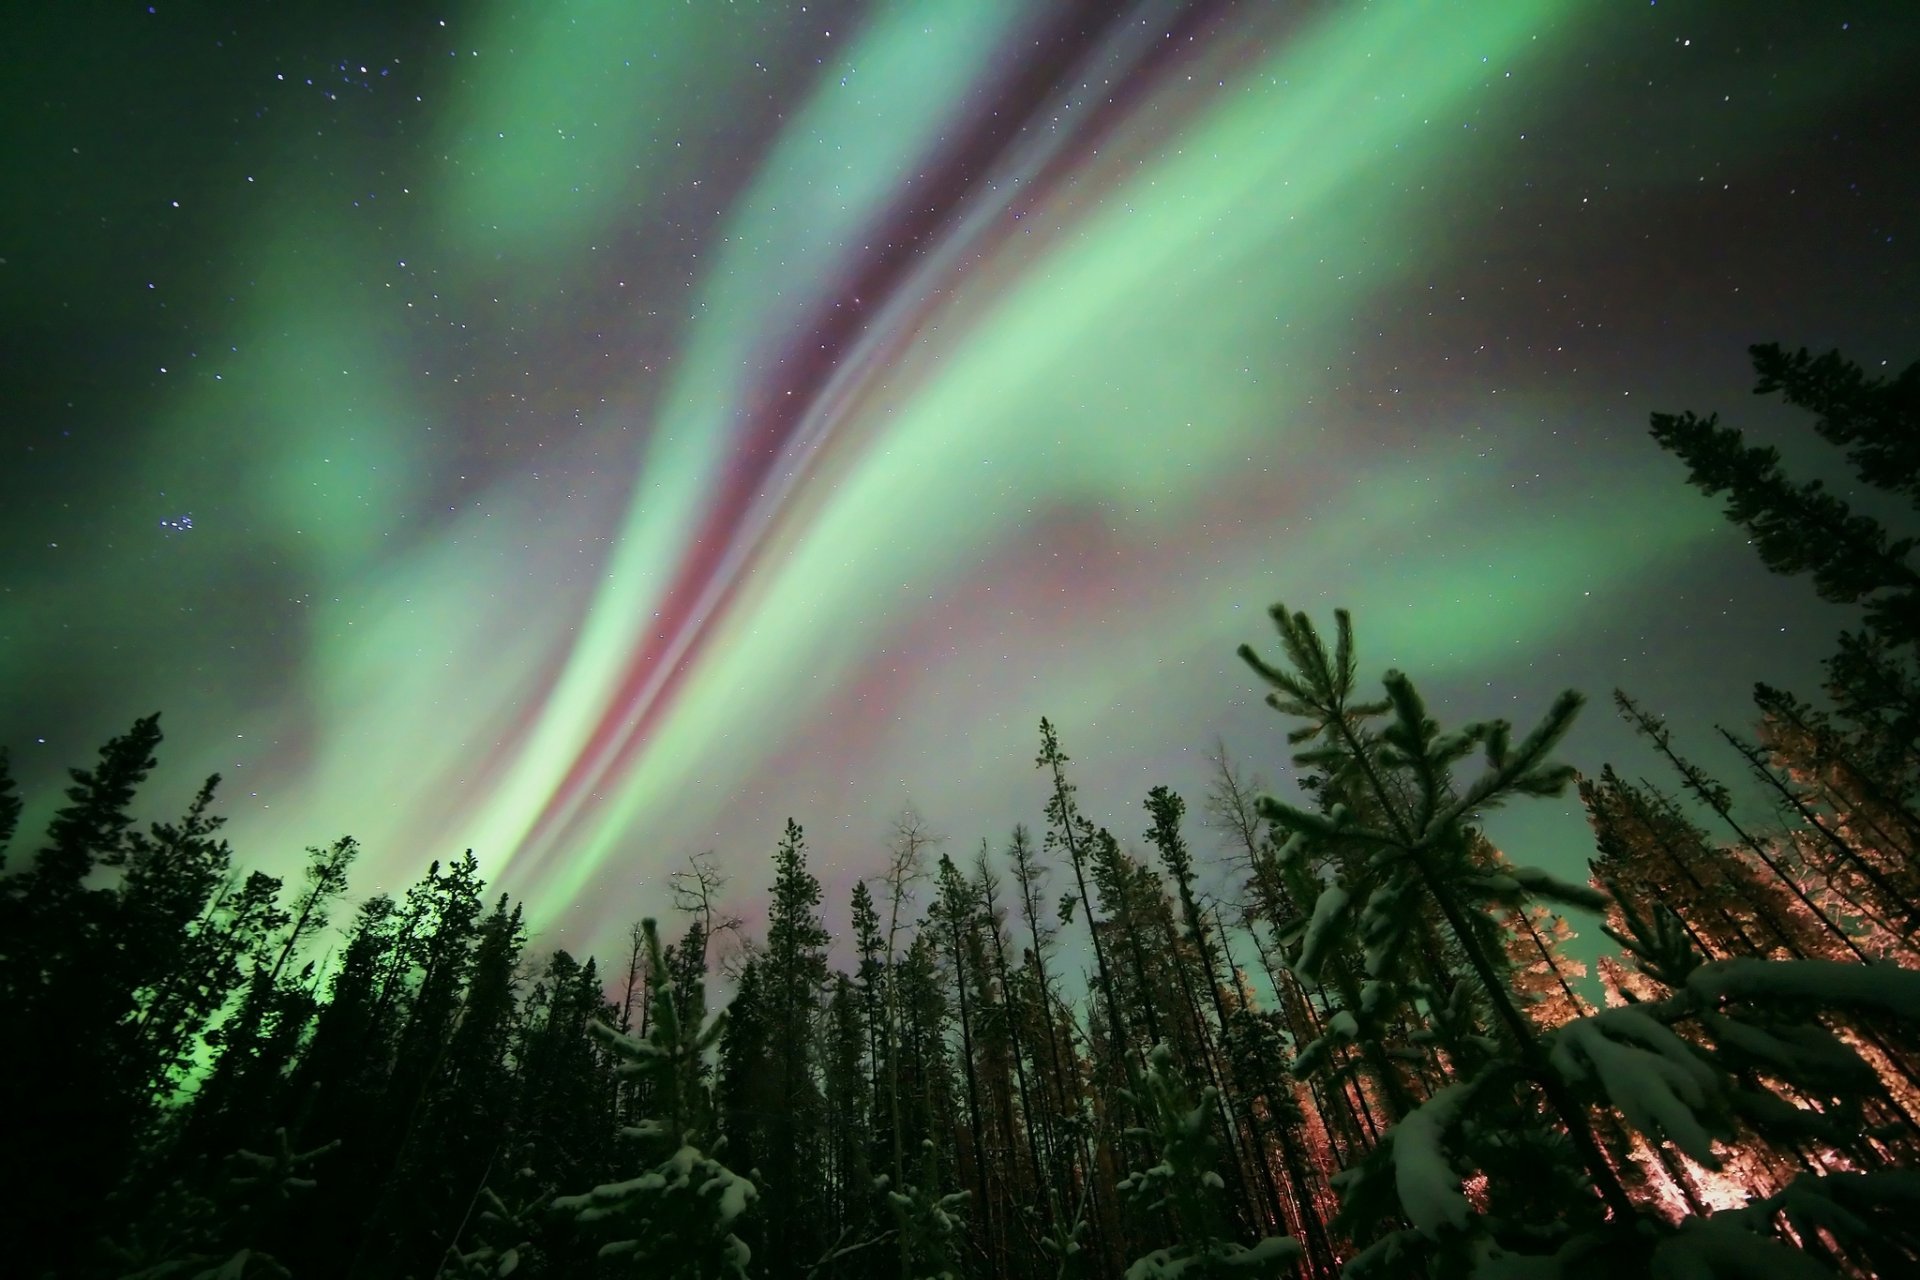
pixel 1005 1047
pixel 745 1063
pixel 326 880
pixel 1195 942
pixel 59 998
pixel 679 1218
pixel 954 912
pixel 870 974
pixel 563 1121
pixel 793 976
pixel 1542 973
pixel 1804 528
pixel 1395 799
pixel 190 1235
pixel 1185 1187
pixel 846 1092
pixel 465 1114
pixel 442 915
pixel 1826 933
pixel 1852 792
pixel 251 1047
pixel 10 805
pixel 169 895
pixel 1068 830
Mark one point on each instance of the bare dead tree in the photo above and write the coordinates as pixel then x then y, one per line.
pixel 697 893
pixel 639 981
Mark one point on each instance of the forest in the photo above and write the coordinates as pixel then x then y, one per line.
pixel 1371 1054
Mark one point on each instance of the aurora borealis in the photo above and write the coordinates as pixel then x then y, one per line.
pixel 594 432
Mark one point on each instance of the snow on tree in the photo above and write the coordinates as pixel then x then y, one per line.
pixel 191 1236
pixel 928 1222
pixel 1187 1186
pixel 1397 827
pixel 677 1219
pixel 504 1232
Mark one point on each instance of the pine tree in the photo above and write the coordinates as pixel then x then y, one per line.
pixel 954 912
pixel 1194 941
pixel 1394 798
pixel 745 1066
pixel 63 1001
pixel 677 1219
pixel 1131 903
pixel 564 1116
pixel 1803 528
pixel 1738 1045
pixel 326 880
pixel 250 1048
pixel 1857 794
pixel 1068 830
pixel 10 805
pixel 1186 1187
pixel 871 977
pixel 846 1088
pixel 442 914
pixel 928 1222
pixel 172 956
pixel 1824 932
pixel 193 1236
pixel 793 975
pixel 1005 1046
pixel 453 1151
pixel 1060 1085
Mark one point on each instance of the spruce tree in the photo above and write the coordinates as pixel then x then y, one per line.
pixel 64 1002
pixel 1803 527
pixel 954 912
pixel 168 964
pixel 678 1218
pixel 1185 1187
pixel 10 805
pixel 1067 830
pixel 1393 798
pixel 793 976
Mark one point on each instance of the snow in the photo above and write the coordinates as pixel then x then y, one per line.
pixel 1268 1253
pixel 735 1193
pixel 1383 927
pixel 1267 1257
pixel 1200 1118
pixel 1160 1265
pixel 1430 1193
pixel 1329 910
pixel 1877 986
pixel 1718 1248
pixel 686 1171
pixel 1390 1250
pixel 1653 1077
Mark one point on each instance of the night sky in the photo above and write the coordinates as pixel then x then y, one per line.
pixel 594 432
